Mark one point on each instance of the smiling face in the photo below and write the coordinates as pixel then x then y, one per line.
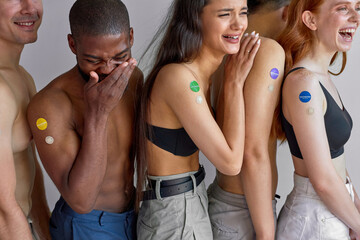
pixel 20 20
pixel 223 24
pixel 101 54
pixel 337 22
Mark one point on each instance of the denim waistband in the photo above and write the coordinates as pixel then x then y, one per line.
pixel 95 215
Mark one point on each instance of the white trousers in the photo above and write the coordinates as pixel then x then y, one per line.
pixel 304 216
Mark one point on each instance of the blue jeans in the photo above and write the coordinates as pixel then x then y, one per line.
pixel 66 224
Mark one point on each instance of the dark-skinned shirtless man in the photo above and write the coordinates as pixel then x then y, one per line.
pixel 82 124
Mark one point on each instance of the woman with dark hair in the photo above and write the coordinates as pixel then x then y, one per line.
pixel 322 204
pixel 176 120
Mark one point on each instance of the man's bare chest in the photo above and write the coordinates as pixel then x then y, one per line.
pixel 21 134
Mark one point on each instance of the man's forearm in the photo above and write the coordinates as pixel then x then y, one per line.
pixel 40 213
pixel 13 224
pixel 88 171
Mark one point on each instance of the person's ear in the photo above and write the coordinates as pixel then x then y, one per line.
pixel 285 13
pixel 71 42
pixel 131 37
pixel 308 19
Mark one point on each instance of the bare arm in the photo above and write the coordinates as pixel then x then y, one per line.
pixel 77 166
pixel 230 113
pixel 221 145
pixel 261 98
pixel 311 136
pixel 357 204
pixel 40 213
pixel 13 223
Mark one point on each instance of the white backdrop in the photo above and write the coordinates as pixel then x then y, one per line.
pixel 50 57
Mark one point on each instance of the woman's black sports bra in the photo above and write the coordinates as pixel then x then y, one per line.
pixel 338 124
pixel 176 141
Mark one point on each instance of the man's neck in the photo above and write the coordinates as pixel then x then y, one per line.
pixel 267 23
pixel 257 24
pixel 10 53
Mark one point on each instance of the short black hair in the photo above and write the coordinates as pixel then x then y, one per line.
pixel 256 5
pixel 99 17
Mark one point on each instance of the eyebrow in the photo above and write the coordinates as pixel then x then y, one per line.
pixel 344 2
pixel 99 58
pixel 230 9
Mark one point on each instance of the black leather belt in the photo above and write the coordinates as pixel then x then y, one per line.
pixel 174 187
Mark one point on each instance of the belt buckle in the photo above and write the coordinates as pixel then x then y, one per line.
pixel 157 189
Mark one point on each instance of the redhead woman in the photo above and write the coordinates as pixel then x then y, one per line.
pixel 176 120
pixel 322 204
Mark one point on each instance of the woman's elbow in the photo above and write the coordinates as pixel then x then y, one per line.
pixel 321 186
pixel 231 168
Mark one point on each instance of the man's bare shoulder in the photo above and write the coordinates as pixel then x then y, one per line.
pixel 269 60
pixel 270 50
pixel 54 97
pixel 268 69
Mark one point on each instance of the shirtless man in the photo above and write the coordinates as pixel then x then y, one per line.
pixel 233 216
pixel 22 195
pixel 83 122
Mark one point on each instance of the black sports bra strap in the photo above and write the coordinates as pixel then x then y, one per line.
pixel 293 70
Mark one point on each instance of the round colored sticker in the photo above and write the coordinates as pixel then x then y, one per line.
pixel 41 123
pixel 199 99
pixel 194 86
pixel 310 111
pixel 49 140
pixel 274 73
pixel 305 96
pixel 271 88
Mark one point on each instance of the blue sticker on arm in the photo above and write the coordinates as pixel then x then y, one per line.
pixel 305 96
pixel 274 73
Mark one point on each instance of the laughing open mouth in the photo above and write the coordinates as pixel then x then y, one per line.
pixel 347 33
pixel 231 37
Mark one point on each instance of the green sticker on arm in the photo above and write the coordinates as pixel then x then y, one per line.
pixel 194 86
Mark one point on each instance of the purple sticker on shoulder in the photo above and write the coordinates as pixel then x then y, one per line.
pixel 274 73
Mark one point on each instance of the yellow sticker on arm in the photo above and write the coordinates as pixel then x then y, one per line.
pixel 41 123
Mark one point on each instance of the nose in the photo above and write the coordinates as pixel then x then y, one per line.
pixel 355 16
pixel 28 6
pixel 107 67
pixel 238 23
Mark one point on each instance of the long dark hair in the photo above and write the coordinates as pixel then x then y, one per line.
pixel 181 43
